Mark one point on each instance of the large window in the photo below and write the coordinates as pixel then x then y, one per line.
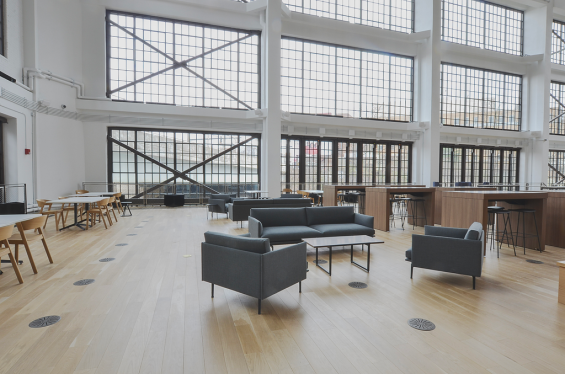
pixel 558 42
pixel 478 165
pixel 480 98
pixel 156 60
pixel 325 79
pixel 556 168
pixel 308 163
pixel 234 171
pixel 482 24
pixel 557 109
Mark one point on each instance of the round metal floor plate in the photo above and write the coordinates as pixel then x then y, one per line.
pixel 421 324
pixel 138 227
pixel 358 285
pixel 44 322
pixel 84 282
pixel 131 234
pixel 535 261
pixel 121 244
pixel 107 259
pixel 320 262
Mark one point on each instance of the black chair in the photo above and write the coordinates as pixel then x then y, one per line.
pixel 522 213
pixel 248 266
pixel 126 205
pixel 450 250
pixel 217 203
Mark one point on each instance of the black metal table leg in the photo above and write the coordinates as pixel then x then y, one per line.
pixel 368 258
pixel 77 222
pixel 318 265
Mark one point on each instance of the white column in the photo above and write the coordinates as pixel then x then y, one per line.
pixel 535 103
pixel 271 105
pixel 427 69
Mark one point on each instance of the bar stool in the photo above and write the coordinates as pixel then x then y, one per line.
pixel 507 232
pixel 491 224
pixel 415 217
pixel 398 209
pixel 523 212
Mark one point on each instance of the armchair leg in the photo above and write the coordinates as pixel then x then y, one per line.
pixel 212 290
pixel 300 286
pixel 411 271
pixel 473 282
pixel 259 308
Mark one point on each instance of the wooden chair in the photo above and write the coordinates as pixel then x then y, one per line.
pixel 119 202
pixel 58 213
pixel 306 195
pixel 5 233
pixel 97 209
pixel 110 208
pixel 21 238
pixel 80 192
pixel 66 208
pixel 287 190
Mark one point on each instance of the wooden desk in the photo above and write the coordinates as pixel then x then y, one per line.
pixel 439 197
pixel 555 219
pixel 561 295
pixel 331 190
pixel 461 209
pixel 378 203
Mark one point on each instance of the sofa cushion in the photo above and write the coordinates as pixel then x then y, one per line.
pixel 279 216
pixel 294 201
pixel 330 215
pixel 291 196
pixel 409 254
pixel 259 202
pixel 227 198
pixel 343 229
pixel 474 232
pixel 289 233
pixel 256 245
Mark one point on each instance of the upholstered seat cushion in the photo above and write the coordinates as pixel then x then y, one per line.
pixel 280 217
pixel 343 229
pixel 330 215
pixel 289 233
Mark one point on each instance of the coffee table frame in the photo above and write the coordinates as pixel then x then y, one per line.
pixel 330 247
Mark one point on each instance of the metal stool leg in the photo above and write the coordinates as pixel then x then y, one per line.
pixel 537 233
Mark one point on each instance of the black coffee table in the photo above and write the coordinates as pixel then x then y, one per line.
pixel 339 241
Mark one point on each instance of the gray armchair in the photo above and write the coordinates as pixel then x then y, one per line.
pixel 451 250
pixel 248 265
pixel 217 203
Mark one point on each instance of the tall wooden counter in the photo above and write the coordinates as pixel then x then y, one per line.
pixel 331 190
pixel 439 196
pixel 377 203
pixel 556 219
pixel 461 209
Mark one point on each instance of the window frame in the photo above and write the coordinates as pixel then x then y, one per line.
pixel 175 132
pixel 109 12
pixel 560 126
pixel 3 28
pixel 350 162
pixel 360 86
pixel 559 156
pixel 484 113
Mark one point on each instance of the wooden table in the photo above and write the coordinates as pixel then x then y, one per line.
pixel 462 208
pixel 439 197
pixel 561 296
pixel 378 204
pixel 75 201
pixel 331 190
pixel 94 194
pixel 555 219
pixel 255 194
pixel 342 241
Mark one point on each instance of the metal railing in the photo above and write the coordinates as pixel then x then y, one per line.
pixel 13 198
pixel 154 193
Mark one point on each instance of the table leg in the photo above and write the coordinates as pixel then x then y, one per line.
pixel 77 222
pixel 318 265
pixel 368 258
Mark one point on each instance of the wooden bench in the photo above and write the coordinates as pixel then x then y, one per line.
pixel 561 297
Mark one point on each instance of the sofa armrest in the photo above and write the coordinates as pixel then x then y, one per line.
pixel 451 255
pixel 220 203
pixel 448 232
pixel 255 227
pixel 364 220
pixel 232 268
pixel 283 268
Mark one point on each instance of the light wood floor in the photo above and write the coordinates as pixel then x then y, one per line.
pixel 149 312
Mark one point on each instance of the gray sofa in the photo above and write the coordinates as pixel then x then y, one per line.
pixel 239 209
pixel 217 203
pixel 250 267
pixel 447 249
pixel 291 225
